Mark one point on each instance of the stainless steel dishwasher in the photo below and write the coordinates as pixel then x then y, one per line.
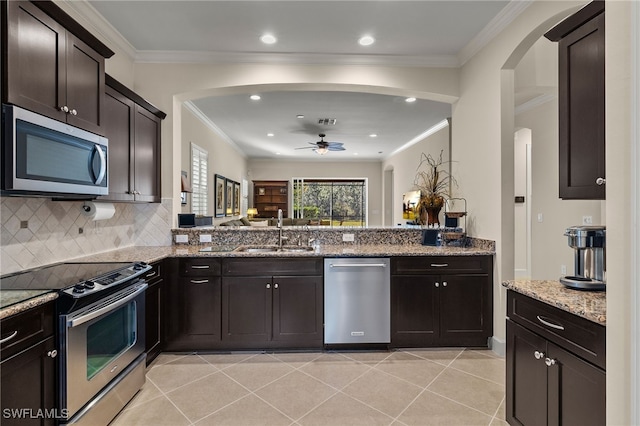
pixel 357 300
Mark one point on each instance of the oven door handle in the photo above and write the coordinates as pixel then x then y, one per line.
pixel 118 300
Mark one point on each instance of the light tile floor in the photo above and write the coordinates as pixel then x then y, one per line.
pixel 407 387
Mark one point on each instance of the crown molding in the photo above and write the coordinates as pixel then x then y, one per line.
pixel 91 19
pixel 201 57
pixel 211 125
pixel 534 103
pixel 507 15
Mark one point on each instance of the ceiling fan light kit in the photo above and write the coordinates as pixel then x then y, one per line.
pixel 321 147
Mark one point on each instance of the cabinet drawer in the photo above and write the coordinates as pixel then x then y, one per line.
pixel 198 267
pixel 270 266
pixel 154 275
pixel 578 335
pixel 440 264
pixel 27 328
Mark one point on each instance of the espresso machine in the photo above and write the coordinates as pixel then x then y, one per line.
pixel 588 243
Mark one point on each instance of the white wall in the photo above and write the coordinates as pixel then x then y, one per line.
pixel 285 170
pixel 223 159
pixel 522 144
pixel 405 163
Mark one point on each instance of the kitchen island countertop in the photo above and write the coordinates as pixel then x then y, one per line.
pixel 591 305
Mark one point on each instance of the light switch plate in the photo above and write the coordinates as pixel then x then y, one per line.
pixel 181 238
pixel 205 238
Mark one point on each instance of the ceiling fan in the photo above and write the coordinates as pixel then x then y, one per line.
pixel 322 147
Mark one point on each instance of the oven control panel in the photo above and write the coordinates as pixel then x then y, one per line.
pixel 102 282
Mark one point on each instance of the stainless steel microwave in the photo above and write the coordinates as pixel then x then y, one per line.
pixel 42 156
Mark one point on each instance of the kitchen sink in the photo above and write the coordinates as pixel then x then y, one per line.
pixel 274 249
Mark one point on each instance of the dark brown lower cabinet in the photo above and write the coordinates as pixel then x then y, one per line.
pixel 546 383
pixel 430 308
pixel 28 386
pixel 278 311
pixel 153 314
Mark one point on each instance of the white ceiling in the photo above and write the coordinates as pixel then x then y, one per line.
pixel 409 33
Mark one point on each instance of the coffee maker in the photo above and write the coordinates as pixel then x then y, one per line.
pixel 588 243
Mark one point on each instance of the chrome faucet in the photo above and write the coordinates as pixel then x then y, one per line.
pixel 279 225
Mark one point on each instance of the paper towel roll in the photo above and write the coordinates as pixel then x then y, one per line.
pixel 98 211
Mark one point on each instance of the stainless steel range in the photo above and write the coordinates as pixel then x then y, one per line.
pixel 100 334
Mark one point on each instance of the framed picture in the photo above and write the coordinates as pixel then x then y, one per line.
pixel 219 187
pixel 228 197
pixel 236 198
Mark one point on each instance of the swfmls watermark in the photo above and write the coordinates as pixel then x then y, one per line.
pixel 34 413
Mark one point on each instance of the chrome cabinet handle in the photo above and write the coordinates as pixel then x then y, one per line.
pixel 444 284
pixel 549 362
pixel 538 354
pixel 268 285
pixel 199 266
pixel 52 354
pixel 439 265
pixel 151 274
pixel 199 281
pixel 437 284
pixel 601 181
pixel 64 109
pixel 549 324
pixel 6 339
pixel 73 112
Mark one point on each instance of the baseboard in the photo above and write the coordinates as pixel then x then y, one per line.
pixel 498 346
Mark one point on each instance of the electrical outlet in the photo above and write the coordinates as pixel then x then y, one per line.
pixel 181 238
pixel 540 217
pixel 205 238
pixel 587 220
pixel 563 269
pixel 348 237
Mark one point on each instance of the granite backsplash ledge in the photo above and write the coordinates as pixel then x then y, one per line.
pixel 301 235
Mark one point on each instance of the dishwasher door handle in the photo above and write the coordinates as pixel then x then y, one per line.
pixel 357 265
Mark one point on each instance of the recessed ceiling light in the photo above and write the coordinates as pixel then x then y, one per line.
pixel 366 40
pixel 268 39
pixel 277 153
pixel 270 135
pixel 373 135
pixel 355 153
pixel 255 97
pixel 409 100
pixel 300 116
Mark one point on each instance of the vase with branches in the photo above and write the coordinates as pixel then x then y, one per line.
pixel 434 183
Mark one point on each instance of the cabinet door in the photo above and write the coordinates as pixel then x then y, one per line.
pixel 153 321
pixel 147 156
pixel 84 86
pixel 35 62
pixel 582 111
pixel 526 377
pixel 577 390
pixel 466 316
pixel 118 128
pixel 27 382
pixel 414 310
pixel 246 310
pixel 298 311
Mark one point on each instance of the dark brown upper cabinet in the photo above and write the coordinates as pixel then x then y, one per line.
pixel 581 88
pixel 53 66
pixel 132 126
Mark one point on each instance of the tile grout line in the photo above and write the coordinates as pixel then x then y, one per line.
pixel 498 409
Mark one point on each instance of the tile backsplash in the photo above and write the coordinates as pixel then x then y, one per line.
pixel 38 231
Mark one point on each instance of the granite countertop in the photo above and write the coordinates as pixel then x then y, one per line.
pixel 591 305
pixel 15 301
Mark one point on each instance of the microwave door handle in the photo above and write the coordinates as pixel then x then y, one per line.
pixel 103 164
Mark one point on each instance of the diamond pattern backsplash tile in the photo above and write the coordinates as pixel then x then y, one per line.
pixel 57 230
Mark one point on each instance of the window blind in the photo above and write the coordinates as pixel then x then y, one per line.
pixel 199 169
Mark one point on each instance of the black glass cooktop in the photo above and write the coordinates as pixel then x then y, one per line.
pixel 57 277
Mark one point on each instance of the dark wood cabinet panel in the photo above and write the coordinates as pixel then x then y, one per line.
pixel 246 309
pixel 269 196
pixel 51 71
pixel 28 383
pixel 298 310
pixel 548 383
pixel 581 85
pixel 25 329
pixel 436 301
pixel 153 315
pixel 134 145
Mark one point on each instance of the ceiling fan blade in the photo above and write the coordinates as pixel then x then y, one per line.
pixel 307 147
pixel 336 148
pixel 335 143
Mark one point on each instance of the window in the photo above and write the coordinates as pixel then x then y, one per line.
pixel 335 202
pixel 199 167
